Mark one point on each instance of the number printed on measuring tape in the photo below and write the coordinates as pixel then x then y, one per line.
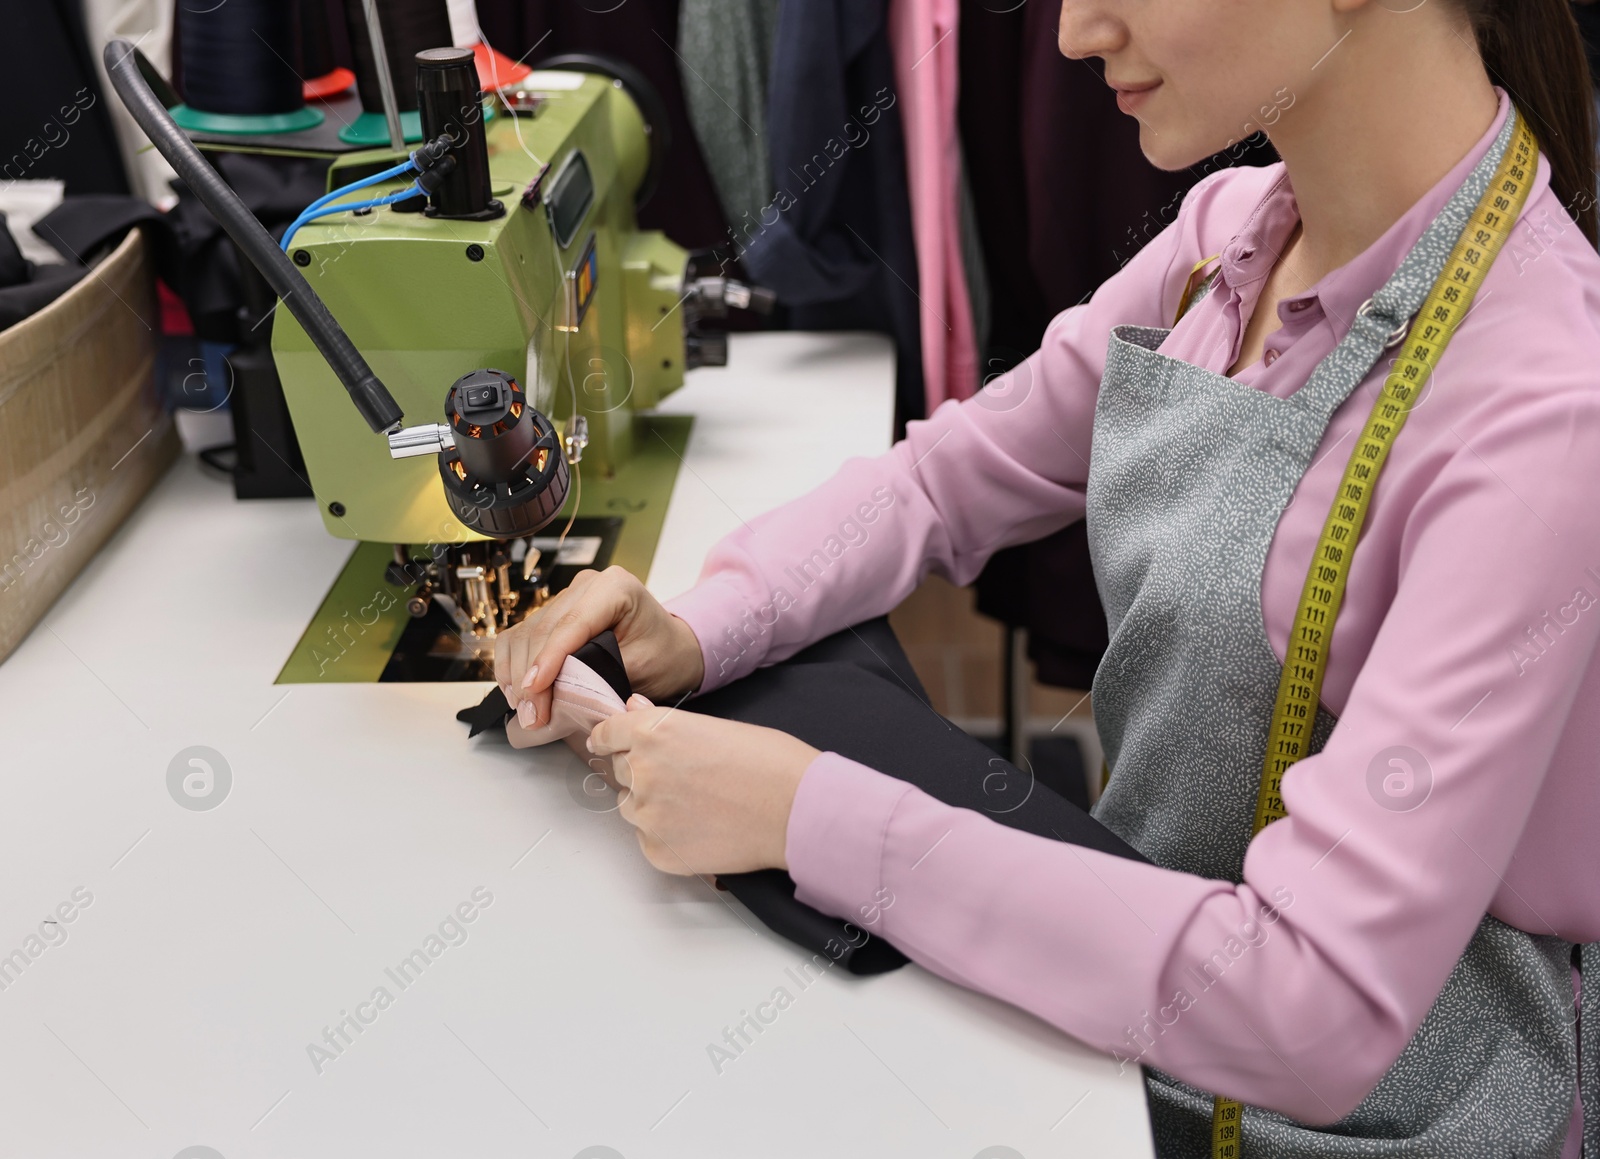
pixel 1450 300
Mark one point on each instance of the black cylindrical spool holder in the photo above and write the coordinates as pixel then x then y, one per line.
pixel 408 27
pixel 451 105
pixel 316 40
pixel 236 57
pixel 367 392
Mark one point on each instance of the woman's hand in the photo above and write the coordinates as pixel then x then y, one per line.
pixel 706 795
pixel 659 651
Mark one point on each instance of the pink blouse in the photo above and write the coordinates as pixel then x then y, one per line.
pixel 1467 631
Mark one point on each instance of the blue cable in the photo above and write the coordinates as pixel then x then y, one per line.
pixel 399 170
pixel 320 208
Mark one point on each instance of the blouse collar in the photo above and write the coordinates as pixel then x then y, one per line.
pixel 1251 254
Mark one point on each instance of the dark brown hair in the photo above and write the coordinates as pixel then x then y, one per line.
pixel 1533 50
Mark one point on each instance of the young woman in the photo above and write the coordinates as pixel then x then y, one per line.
pixel 1388 969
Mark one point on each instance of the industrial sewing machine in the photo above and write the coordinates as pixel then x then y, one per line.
pixel 521 278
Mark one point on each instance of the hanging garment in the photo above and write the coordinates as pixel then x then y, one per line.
pixel 972 265
pixel 1065 198
pixel 58 121
pixel 641 33
pixel 836 242
pixel 725 56
pixel 924 36
pixel 147 23
pixel 1184 698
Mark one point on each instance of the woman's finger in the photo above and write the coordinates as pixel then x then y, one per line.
pixel 600 604
pixel 622 771
pixel 527 738
pixel 502 663
pixel 525 640
pixel 612 735
pixel 517 655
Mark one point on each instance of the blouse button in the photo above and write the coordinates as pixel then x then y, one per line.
pixel 1299 304
pixel 1269 358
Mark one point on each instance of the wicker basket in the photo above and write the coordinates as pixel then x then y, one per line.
pixel 83 434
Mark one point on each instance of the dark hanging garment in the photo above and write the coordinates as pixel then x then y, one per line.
pixel 836 244
pixel 641 33
pixel 1588 17
pixel 1064 198
pixel 56 124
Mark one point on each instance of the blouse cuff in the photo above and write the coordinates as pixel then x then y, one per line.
pixel 835 838
pixel 713 609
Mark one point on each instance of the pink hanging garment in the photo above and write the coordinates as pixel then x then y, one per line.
pixel 923 36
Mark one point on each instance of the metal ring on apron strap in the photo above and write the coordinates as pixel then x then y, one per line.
pixel 1396 336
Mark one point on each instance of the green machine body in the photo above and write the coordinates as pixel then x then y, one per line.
pixel 561 291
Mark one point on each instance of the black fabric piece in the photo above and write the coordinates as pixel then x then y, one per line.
pixel 847 695
pixel 14 268
pixel 769 894
pixel 26 288
pixel 47 284
pixel 493 711
pixel 836 244
pixel 80 226
pixel 855 694
pixel 1028 117
pixel 604 656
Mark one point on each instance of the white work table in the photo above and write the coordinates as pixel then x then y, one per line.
pixel 577 1013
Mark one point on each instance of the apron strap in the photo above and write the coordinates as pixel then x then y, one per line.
pixel 1383 319
pixel 1589 1046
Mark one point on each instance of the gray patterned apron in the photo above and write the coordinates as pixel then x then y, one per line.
pixel 1189 474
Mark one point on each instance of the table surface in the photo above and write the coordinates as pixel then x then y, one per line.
pixel 208 950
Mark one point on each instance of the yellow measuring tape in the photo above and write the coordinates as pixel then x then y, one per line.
pixel 1306 661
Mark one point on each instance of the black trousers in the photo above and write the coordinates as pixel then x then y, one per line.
pixel 855 694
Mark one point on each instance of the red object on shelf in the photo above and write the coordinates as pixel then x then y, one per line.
pixel 495 69
pixel 175 318
pixel 322 87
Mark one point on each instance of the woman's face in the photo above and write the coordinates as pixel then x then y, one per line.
pixel 1200 74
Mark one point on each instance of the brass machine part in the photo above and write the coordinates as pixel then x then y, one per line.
pixel 484 587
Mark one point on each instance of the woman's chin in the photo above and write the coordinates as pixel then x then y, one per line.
pixel 1171 149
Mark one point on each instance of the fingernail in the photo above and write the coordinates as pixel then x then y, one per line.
pixel 525 714
pixel 588 743
pixel 527 681
pixel 505 690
